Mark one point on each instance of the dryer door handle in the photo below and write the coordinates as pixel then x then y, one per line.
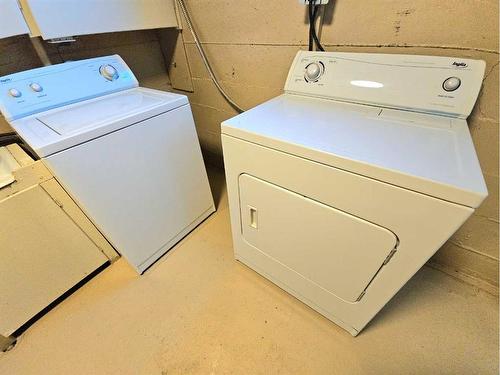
pixel 252 212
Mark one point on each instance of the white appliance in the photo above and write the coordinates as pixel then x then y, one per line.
pixel 344 186
pixel 56 19
pixel 129 156
pixel 11 19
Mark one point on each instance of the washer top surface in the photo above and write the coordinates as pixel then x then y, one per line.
pixel 57 129
pixel 426 153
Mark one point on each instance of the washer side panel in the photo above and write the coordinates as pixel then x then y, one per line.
pixel 142 185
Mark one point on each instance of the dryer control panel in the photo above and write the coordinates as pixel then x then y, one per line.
pixel 32 91
pixel 440 85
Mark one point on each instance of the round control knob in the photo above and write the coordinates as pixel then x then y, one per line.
pixel 313 71
pixel 109 72
pixel 36 87
pixel 15 93
pixel 451 84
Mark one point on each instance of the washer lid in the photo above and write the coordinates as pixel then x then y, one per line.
pixel 58 129
pixel 79 118
pixel 430 154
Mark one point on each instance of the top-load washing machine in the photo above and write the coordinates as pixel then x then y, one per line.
pixel 344 186
pixel 127 155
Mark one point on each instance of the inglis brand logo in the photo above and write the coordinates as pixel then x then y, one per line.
pixel 459 64
pixel 5 80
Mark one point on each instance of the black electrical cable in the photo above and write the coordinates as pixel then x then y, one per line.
pixel 310 36
pixel 313 36
pixel 316 39
pixel 310 8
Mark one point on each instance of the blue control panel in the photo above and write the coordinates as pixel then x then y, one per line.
pixel 37 90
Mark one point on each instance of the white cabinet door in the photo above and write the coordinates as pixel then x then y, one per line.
pixel 43 253
pixel 58 18
pixel 11 19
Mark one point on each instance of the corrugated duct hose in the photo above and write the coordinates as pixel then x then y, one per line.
pixel 189 23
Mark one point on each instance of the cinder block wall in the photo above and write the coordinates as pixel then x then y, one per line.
pixel 252 43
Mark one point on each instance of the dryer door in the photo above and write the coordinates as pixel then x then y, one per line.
pixel 333 249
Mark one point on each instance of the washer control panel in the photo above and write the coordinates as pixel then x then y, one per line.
pixel 430 84
pixel 37 90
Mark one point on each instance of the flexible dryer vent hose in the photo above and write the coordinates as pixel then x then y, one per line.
pixel 187 17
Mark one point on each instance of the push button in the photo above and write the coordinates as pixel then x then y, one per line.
pixel 15 93
pixel 36 87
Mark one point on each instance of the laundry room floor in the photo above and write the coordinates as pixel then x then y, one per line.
pixel 198 311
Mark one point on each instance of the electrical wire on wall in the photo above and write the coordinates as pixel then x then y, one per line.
pixel 187 17
pixel 313 10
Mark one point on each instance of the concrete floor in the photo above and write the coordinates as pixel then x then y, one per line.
pixel 198 311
